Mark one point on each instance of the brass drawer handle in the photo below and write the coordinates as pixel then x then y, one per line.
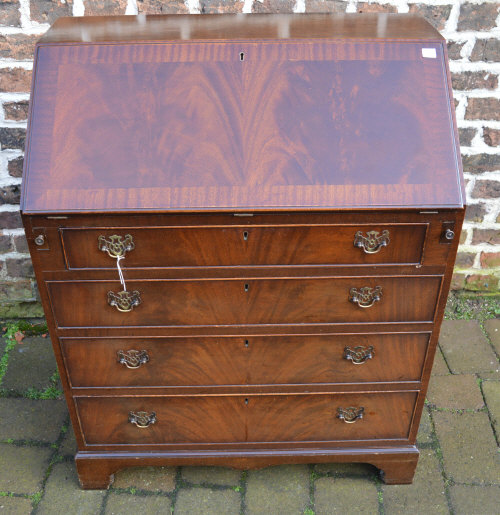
pixel 365 297
pixel 115 245
pixel 372 242
pixel 132 358
pixel 142 419
pixel 124 301
pixel 358 355
pixel 350 415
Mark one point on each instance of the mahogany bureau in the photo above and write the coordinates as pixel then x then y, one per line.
pixel 243 229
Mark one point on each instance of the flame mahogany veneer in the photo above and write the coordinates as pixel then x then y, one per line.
pixel 287 195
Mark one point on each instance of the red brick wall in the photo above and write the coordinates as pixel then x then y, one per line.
pixel 473 34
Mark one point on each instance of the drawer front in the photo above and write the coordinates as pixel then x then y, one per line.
pixel 243 302
pixel 233 419
pixel 246 245
pixel 261 360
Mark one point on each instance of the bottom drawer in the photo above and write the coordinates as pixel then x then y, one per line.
pixel 245 418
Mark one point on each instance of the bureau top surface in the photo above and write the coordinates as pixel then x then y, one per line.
pixel 240 112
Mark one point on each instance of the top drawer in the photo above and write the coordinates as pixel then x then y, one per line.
pixel 145 247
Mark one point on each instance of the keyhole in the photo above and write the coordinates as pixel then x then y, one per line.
pixel 246 343
pixel 245 235
pixel 246 402
pixel 242 56
pixel 246 287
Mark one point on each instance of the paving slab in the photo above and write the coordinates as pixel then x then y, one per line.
pixel 152 479
pixel 68 445
pixel 439 367
pixel 207 501
pixel 15 506
pixel 492 327
pixel 121 503
pixel 491 390
pixel 27 419
pixel 425 495
pixel 469 448
pixel 345 495
pixel 455 392
pixel 346 469
pixel 471 500
pixel 22 469
pixel 31 363
pixel 424 435
pixel 211 475
pixel 282 490
pixel 466 348
pixel 64 495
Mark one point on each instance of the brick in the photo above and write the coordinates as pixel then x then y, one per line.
pixel 26 419
pixel 12 138
pixel 367 7
pixel 283 489
pixel 466 499
pixel 220 6
pixel 335 495
pixel 455 392
pixel 486 189
pixel 17 111
pixel 465 259
pixel 493 329
pixel 47 11
pixel 22 468
pixel 491 390
pixel 19 267
pixel 482 283
pixel 325 6
pixel 457 281
pixel 489 259
pixel 454 49
pixel 465 347
pixel 207 501
pixel 9 13
pixel 161 7
pixel 469 447
pixel 98 7
pixel 474 80
pixel 20 243
pixel 15 506
pixel 475 213
pixel 491 236
pixel 463 235
pixel 10 194
pixel 15 167
pixel 483 109
pixel 211 475
pixel 486 50
pixel 28 309
pixel 273 6
pixel 477 163
pixel 466 136
pixel 15 80
pixel 18 46
pixel 15 290
pixel 30 365
pixel 5 243
pixel 425 495
pixel 145 505
pixel 152 479
pixel 491 136
pixel 437 15
pixel 477 16
pixel 64 495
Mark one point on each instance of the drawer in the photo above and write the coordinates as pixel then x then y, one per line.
pixel 234 360
pixel 250 418
pixel 245 245
pixel 203 302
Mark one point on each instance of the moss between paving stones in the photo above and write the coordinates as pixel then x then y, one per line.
pixel 15 506
pixel 151 479
pixel 211 475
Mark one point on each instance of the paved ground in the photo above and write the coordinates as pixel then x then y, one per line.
pixel 458 471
